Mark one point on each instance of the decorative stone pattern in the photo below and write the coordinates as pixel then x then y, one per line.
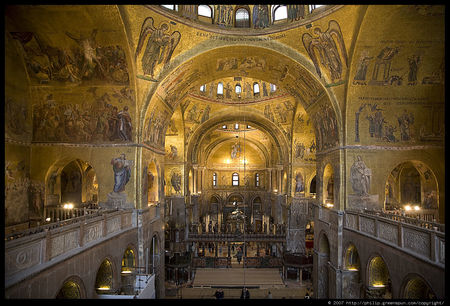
pixel 324 215
pixel 63 243
pixel 126 220
pixel 113 225
pixel 351 221
pixel 57 246
pixel 367 225
pixel 442 251
pixel 92 233
pixel 416 241
pixel 22 258
pixel 388 232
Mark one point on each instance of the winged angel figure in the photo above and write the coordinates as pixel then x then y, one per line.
pixel 323 47
pixel 160 46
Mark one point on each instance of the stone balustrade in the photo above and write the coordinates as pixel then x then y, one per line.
pixel 55 214
pixel 47 245
pixel 58 218
pixel 397 231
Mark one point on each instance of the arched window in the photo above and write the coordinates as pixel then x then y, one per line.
pixel 128 262
pixel 204 10
pixel 255 88
pixel 312 186
pixel 238 89
pixel 235 179
pixel 171 7
pixel 242 18
pixel 203 88
pixel 279 12
pixel 104 278
pixel 273 87
pixel 214 181
pixel 236 126
pixel 312 7
pixel 70 290
pixel 220 88
pixel 257 180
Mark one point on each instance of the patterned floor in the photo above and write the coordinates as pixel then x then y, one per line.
pixel 238 277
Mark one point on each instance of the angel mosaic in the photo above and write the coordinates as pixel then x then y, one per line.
pixel 159 48
pixel 324 48
pixel 175 181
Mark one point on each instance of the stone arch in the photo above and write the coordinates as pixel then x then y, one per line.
pixel 378 280
pixel 257 212
pixel 155 251
pixel 413 183
pixel 215 145
pixel 328 183
pixel 87 188
pixel 128 267
pixel 249 12
pixel 236 195
pixel 71 288
pixel 258 121
pixel 205 52
pixel 151 182
pixel 216 204
pixel 351 257
pixel 416 287
pixel 311 184
pixel 129 260
pixel 105 277
pixel 351 283
pixel 323 257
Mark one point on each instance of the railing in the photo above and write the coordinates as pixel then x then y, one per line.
pixel 411 218
pixel 31 251
pixel 410 235
pixel 55 214
pixel 49 225
pixel 423 214
pixel 236 237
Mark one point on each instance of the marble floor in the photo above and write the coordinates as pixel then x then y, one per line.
pixel 233 277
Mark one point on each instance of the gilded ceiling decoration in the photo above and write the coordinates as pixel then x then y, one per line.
pixel 237 90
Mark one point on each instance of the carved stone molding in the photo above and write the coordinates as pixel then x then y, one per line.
pixel 22 258
pixel 351 221
pixel 93 233
pixel 367 225
pixel 388 232
pixel 63 243
pixel 416 241
pixel 113 225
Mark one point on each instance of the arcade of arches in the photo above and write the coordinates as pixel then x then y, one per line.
pixel 245 126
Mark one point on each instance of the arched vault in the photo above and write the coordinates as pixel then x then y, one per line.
pixel 269 61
